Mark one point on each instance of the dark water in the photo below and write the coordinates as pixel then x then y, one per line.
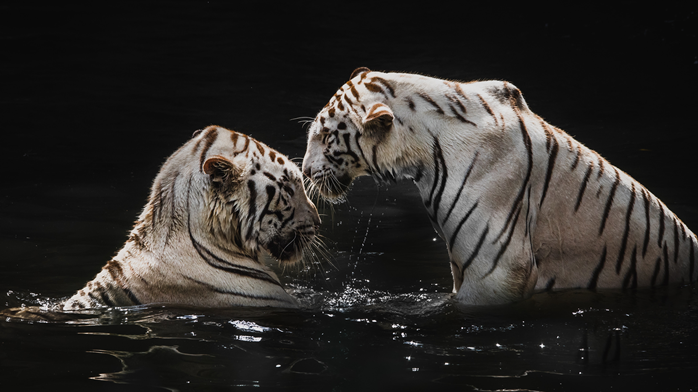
pixel 95 98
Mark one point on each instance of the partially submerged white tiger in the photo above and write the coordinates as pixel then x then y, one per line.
pixel 521 205
pixel 216 203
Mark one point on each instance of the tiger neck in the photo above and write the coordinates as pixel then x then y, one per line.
pixel 167 232
pixel 441 202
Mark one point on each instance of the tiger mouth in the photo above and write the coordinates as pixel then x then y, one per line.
pixel 331 187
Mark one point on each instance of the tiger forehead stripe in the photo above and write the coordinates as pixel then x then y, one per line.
pixel 259 147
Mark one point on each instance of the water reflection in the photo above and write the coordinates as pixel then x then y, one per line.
pixel 358 337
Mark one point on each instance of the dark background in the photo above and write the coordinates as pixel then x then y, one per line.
pixel 95 96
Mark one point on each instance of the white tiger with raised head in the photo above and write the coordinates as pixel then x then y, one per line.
pixel 216 204
pixel 521 205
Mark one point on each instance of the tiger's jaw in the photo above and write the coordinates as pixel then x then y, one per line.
pixel 289 249
pixel 326 177
pixel 332 187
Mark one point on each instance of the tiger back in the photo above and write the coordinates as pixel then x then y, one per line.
pixel 520 204
pixel 217 203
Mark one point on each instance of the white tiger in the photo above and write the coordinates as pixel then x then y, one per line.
pixel 521 205
pixel 216 203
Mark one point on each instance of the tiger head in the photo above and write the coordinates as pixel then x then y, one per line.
pixel 353 135
pixel 234 193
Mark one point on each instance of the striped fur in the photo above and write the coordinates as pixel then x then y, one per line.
pixel 217 202
pixel 521 205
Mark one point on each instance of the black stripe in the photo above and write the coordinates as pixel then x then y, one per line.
pixel 131 296
pixel 271 192
pixel 349 151
pixel 410 103
pixel 583 187
pixel 647 222
pixel 376 169
pixel 660 236
pixel 460 224
pixel 609 202
pixel 457 101
pixel 361 151
pixel 444 178
pixel 551 283
pixel 488 109
pixel 384 83
pixel 104 296
pixel 460 92
pixel 520 195
pixel 459 116
pixel 223 265
pixel 551 165
pixel 431 102
pixel 235 293
pixel 289 219
pixel 475 252
pixel 527 222
pixel 460 190
pixel 632 271
pixel 505 245
pixel 626 231
pixel 576 158
pixel 428 203
pixel 597 271
pixel 601 166
pixel 252 212
pixel 156 202
pixel 269 176
pixel 419 174
pixel 95 299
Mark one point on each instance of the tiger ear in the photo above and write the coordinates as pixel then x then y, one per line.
pixel 221 170
pixel 358 72
pixel 378 118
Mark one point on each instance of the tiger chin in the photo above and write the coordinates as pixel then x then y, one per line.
pixel 521 205
pixel 216 205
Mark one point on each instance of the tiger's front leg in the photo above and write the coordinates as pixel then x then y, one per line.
pixel 495 269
